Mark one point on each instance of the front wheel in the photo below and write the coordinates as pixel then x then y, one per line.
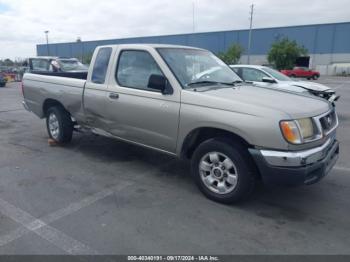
pixel 315 77
pixel 222 170
pixel 59 124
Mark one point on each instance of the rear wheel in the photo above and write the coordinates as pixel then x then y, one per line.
pixel 315 77
pixel 59 124
pixel 222 170
pixel 293 76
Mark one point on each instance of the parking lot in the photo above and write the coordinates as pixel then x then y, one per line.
pixel 101 196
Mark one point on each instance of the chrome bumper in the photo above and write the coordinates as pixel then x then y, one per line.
pixel 296 168
pixel 295 159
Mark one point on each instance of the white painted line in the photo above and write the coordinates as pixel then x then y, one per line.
pixel 36 224
pixel 59 239
pixel 13 235
pixel 63 241
pixel 74 207
pixel 342 168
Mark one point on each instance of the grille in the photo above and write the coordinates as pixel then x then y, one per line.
pixel 328 122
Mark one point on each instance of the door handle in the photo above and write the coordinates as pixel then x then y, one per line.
pixel 113 95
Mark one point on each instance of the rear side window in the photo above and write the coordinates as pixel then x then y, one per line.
pixel 101 65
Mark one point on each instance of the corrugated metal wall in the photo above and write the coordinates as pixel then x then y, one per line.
pixel 318 39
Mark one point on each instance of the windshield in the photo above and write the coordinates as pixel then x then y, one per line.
pixel 193 66
pixel 275 74
pixel 71 65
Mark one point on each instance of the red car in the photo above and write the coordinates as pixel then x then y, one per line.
pixel 301 72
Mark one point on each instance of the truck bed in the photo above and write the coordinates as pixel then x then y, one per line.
pixel 40 89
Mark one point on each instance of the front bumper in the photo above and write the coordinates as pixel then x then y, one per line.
pixel 296 168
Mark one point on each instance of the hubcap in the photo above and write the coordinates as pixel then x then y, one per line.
pixel 218 172
pixel 54 126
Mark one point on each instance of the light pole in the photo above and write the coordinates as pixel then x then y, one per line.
pixel 47 41
pixel 250 31
pixel 193 16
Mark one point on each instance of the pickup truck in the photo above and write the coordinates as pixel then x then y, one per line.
pixel 302 72
pixel 158 97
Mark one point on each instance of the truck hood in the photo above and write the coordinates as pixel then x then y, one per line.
pixel 259 101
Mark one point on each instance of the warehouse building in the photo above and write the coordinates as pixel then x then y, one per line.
pixel 328 44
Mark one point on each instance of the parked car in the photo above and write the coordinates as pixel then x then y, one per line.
pixel 155 96
pixel 267 77
pixel 2 81
pixel 303 72
pixel 57 66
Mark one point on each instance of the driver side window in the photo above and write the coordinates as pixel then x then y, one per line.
pixel 254 75
pixel 135 69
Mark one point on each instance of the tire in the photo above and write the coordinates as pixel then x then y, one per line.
pixel 315 77
pixel 293 76
pixel 59 124
pixel 204 168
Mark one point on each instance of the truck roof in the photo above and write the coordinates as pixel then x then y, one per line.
pixel 152 45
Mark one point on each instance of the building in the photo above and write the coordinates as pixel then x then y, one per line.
pixel 328 44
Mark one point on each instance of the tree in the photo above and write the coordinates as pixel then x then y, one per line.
pixel 8 62
pixel 232 55
pixel 86 59
pixel 284 53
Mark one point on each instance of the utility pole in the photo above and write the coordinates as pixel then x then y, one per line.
pixel 47 41
pixel 193 17
pixel 250 30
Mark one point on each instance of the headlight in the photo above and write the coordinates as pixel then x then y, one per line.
pixel 306 128
pixel 298 131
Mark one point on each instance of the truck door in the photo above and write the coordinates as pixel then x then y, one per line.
pixel 96 92
pixel 136 112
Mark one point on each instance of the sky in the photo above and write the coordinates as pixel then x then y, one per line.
pixel 23 22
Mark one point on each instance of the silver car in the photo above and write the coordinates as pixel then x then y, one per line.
pixel 264 76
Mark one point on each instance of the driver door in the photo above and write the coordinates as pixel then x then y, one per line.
pixel 134 111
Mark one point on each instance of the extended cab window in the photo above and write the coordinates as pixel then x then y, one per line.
pixel 101 65
pixel 251 74
pixel 135 68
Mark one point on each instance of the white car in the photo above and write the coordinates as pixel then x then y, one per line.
pixel 264 76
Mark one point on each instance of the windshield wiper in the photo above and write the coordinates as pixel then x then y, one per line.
pixel 211 82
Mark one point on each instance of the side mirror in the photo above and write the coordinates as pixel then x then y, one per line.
pixel 269 80
pixel 159 82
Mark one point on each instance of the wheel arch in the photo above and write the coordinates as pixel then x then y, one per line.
pixel 49 102
pixel 201 134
